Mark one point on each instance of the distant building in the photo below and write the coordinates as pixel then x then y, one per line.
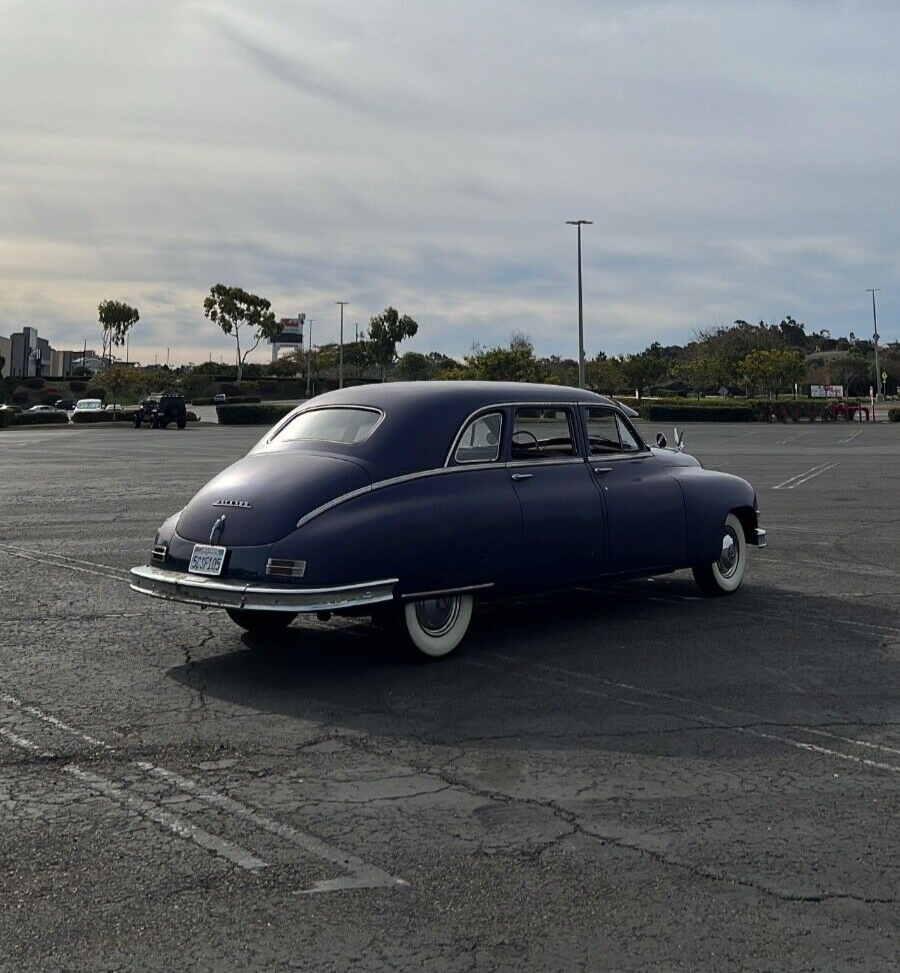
pixel 64 363
pixel 5 353
pixel 29 354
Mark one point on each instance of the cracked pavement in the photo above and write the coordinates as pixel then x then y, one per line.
pixel 625 777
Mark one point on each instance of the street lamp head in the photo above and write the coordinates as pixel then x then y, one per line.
pixel 580 222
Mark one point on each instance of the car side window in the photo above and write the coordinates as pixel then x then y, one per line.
pixel 602 431
pixel 480 440
pixel 630 443
pixel 542 434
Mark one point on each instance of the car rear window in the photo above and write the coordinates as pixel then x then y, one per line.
pixel 330 425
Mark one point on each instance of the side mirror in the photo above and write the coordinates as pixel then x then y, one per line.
pixel 661 440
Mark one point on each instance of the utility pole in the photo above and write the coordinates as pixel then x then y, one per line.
pixel 309 358
pixel 581 380
pixel 880 395
pixel 343 304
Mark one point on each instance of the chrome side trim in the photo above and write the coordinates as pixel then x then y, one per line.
pixel 226 593
pixel 393 481
pixel 415 595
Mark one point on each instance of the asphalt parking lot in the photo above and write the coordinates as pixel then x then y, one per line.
pixel 629 778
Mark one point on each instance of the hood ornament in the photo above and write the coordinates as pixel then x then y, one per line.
pixel 216 527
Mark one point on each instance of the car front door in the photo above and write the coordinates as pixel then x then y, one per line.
pixel 644 505
pixel 562 521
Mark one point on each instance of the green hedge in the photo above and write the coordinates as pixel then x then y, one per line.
pixel 693 413
pixel 763 410
pixel 251 415
pixel 5 418
pixel 99 416
pixel 232 400
pixel 893 415
pixel 40 419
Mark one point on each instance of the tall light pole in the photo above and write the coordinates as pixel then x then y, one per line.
pixel 873 291
pixel 309 357
pixel 343 304
pixel 580 224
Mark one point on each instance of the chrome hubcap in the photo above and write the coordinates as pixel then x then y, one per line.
pixel 728 559
pixel 437 615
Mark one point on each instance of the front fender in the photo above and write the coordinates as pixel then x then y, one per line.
pixel 709 496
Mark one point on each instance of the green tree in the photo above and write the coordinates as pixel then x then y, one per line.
pixel 412 367
pixel 116 319
pixel 604 374
pixel 233 308
pixel 772 370
pixel 646 368
pixel 386 331
pixel 700 373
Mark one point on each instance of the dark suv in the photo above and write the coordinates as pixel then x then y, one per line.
pixel 160 409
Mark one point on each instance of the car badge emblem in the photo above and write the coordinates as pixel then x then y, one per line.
pixel 245 504
pixel 216 527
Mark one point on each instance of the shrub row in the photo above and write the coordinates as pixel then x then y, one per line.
pixel 762 410
pixel 251 415
pixel 40 419
pixel 99 416
pixel 5 418
pixel 691 413
pixel 893 415
pixel 232 400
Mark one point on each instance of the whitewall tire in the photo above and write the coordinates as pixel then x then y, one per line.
pixel 724 576
pixel 436 626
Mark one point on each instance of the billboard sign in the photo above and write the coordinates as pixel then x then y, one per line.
pixel 291 331
pixel 826 391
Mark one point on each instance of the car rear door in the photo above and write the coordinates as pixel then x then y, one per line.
pixel 644 505
pixel 563 530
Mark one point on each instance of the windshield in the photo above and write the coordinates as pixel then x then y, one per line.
pixel 336 425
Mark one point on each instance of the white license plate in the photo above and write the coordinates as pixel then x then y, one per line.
pixel 207 559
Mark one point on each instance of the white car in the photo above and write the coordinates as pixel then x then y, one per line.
pixel 88 405
pixel 43 408
pixel 115 407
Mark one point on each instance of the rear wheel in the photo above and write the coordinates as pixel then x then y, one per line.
pixel 724 576
pixel 436 626
pixel 182 423
pixel 261 622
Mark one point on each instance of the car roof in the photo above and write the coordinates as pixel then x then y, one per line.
pixel 421 419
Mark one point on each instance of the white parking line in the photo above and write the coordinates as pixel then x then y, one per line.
pixel 61 561
pixel 362 874
pixel 147 809
pixel 790 439
pixel 795 481
pixel 695 717
pixel 851 437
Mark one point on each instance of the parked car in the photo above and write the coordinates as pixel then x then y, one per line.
pixel 10 408
pixel 88 405
pixel 43 408
pixel 220 399
pixel 65 404
pixel 114 407
pixel 161 408
pixel 408 501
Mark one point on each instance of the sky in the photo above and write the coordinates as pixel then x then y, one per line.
pixel 739 160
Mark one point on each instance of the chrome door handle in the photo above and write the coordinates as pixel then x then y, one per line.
pixel 522 476
pixel 602 469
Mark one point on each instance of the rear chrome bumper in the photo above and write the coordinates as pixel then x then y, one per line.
pixel 198 589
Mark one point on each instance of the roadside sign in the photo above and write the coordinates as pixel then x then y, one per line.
pixel 826 391
pixel 884 376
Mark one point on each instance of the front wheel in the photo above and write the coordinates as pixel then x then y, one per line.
pixel 436 626
pixel 261 622
pixel 724 576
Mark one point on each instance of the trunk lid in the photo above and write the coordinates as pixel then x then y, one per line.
pixel 263 495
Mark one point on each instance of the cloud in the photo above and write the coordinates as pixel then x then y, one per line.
pixel 738 160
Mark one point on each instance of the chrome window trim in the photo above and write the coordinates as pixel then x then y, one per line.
pixel 512 405
pixel 596 457
pixel 291 416
pixel 457 442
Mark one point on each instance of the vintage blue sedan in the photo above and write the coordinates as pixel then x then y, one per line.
pixel 409 501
